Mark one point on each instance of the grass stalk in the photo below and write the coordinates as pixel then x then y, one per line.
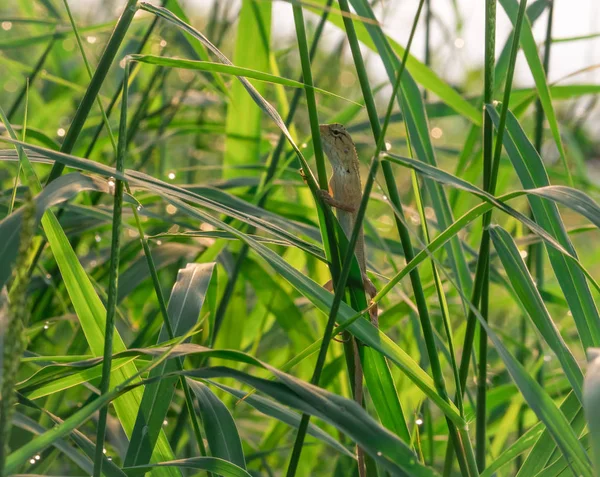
pixel 465 454
pixel 89 71
pixel 262 192
pixel 14 339
pixel 488 138
pixel 535 251
pixel 39 65
pixel 490 180
pixel 328 231
pixel 85 106
pixel 111 305
pixel 147 253
pixel 106 60
pixel 117 93
pixel 13 197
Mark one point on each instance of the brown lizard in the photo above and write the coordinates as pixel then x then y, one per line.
pixel 345 194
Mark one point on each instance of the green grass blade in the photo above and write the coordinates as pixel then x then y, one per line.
pixel 591 397
pixel 422 74
pixel 251 50
pixel 529 46
pixel 221 432
pixel 88 306
pixel 209 464
pixel 277 411
pixel 183 312
pixel 532 174
pixel 525 288
pixel 411 103
pixel 228 69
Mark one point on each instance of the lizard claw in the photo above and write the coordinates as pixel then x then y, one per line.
pixel 326 196
pixel 371 291
pixel 303 175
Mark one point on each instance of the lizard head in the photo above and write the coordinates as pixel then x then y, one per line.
pixel 338 145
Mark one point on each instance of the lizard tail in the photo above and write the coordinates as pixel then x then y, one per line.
pixel 358 397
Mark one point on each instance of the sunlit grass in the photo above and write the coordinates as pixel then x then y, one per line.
pixel 166 311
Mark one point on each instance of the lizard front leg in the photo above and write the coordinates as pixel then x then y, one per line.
pixel 333 202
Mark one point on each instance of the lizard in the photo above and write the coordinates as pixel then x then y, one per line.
pixel 345 195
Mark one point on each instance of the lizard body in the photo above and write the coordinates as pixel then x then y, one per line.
pixel 345 194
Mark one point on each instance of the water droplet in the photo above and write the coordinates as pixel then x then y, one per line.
pixel 104 450
pixel 111 185
pixel 91 39
pixel 165 422
pixel 163 43
pixel 171 209
pixel 459 43
pixel 139 207
pixel 97 238
pixel 46 327
pixel 38 457
pixel 379 453
pixel 388 146
pixel 32 461
pixel 523 254
pixel 419 421
pixel 436 133
pixel 6 26
pixel 61 132
pixel 159 242
pixel 171 175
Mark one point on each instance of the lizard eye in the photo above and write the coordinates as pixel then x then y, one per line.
pixel 336 133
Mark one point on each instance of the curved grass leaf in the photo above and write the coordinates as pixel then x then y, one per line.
pixel 185 303
pixel 221 432
pixel 315 293
pixel 88 306
pixel 210 464
pixel 424 75
pixel 26 423
pixel 34 389
pixel 591 400
pixel 532 174
pixel 283 414
pixel 529 46
pixel 344 414
pixel 446 178
pixel 523 284
pixel 228 69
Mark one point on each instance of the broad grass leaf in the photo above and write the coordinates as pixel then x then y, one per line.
pixel 220 429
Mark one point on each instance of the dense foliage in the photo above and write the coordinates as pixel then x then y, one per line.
pixel 162 259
